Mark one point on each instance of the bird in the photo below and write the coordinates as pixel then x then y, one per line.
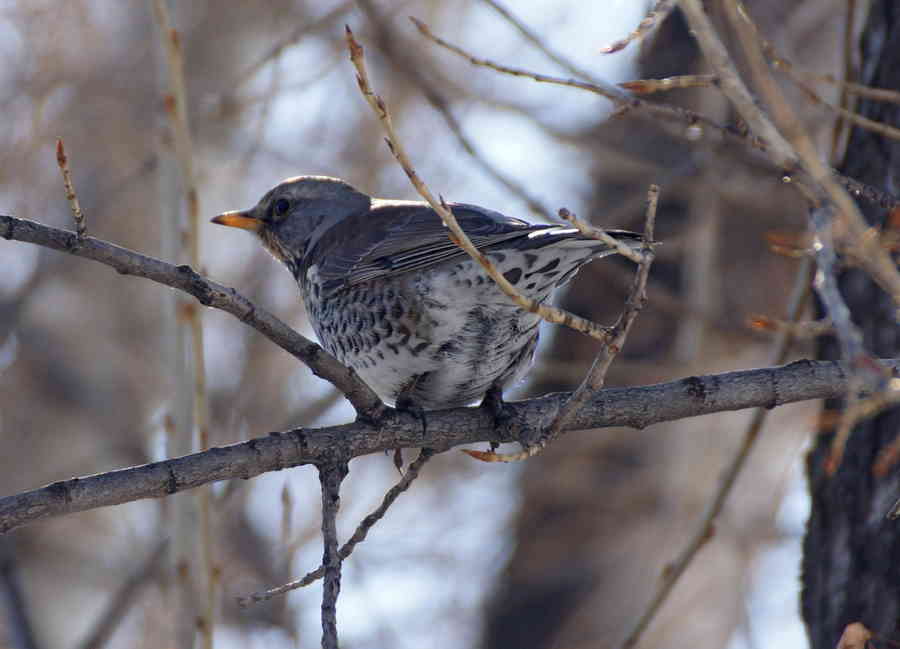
pixel 392 297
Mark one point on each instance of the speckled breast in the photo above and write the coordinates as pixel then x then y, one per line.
pixel 443 337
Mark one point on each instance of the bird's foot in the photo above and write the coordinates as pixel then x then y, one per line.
pixel 406 404
pixel 499 410
pixel 375 417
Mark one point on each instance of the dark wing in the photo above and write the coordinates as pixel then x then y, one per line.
pixel 396 238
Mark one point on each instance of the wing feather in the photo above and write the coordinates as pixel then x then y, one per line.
pixel 396 238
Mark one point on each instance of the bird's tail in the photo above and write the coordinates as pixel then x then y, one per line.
pixel 572 239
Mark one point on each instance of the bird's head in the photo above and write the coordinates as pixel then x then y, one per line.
pixel 292 216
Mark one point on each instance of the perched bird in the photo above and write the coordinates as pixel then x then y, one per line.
pixel 391 296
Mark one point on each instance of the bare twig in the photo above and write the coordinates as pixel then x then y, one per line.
pixel 850 87
pixel 844 85
pixel 532 37
pixel 706 525
pixel 835 218
pixel 855 235
pixel 889 456
pixel 71 196
pixel 894 511
pixel 603 89
pixel 800 330
pixel 650 86
pixel 654 17
pixel 778 148
pixel 868 193
pixel 330 477
pixel 600 234
pixel 689 120
pixel 596 377
pixel 389 41
pixel 362 530
pixel 455 232
pixel 840 132
pixel 826 285
pixel 208 293
pixel 846 115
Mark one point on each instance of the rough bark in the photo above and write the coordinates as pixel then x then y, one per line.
pixel 851 571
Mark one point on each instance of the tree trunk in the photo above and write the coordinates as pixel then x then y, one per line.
pixel 851 563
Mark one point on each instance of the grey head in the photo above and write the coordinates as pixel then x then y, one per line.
pixel 292 216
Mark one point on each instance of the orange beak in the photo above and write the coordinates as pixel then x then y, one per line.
pixel 241 220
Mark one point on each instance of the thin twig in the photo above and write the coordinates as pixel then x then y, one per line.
pixel 705 526
pixel 887 459
pixel 840 132
pixel 600 234
pixel 870 194
pixel 603 89
pixel 208 293
pixel 455 232
pixel 532 37
pixel 654 17
pixel 845 114
pixel 834 217
pixel 846 421
pixel 650 86
pixel 689 120
pixel 389 41
pixel 855 234
pixel 71 196
pixel 330 478
pixel 850 87
pixel 362 530
pixel 826 285
pixel 779 149
pixel 800 330
pixel 844 85
pixel 596 377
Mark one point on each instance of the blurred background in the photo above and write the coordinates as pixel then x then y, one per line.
pixel 561 551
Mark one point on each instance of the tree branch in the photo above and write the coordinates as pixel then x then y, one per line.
pixel 362 531
pixel 331 476
pixel 208 293
pixel 636 407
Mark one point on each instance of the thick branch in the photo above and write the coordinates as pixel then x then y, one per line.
pixel 207 292
pixel 634 407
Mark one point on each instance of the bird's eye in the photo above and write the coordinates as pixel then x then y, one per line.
pixel 281 207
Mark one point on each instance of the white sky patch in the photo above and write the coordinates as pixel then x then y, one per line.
pixel 773 605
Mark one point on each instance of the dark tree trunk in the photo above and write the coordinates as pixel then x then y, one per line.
pixel 851 563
